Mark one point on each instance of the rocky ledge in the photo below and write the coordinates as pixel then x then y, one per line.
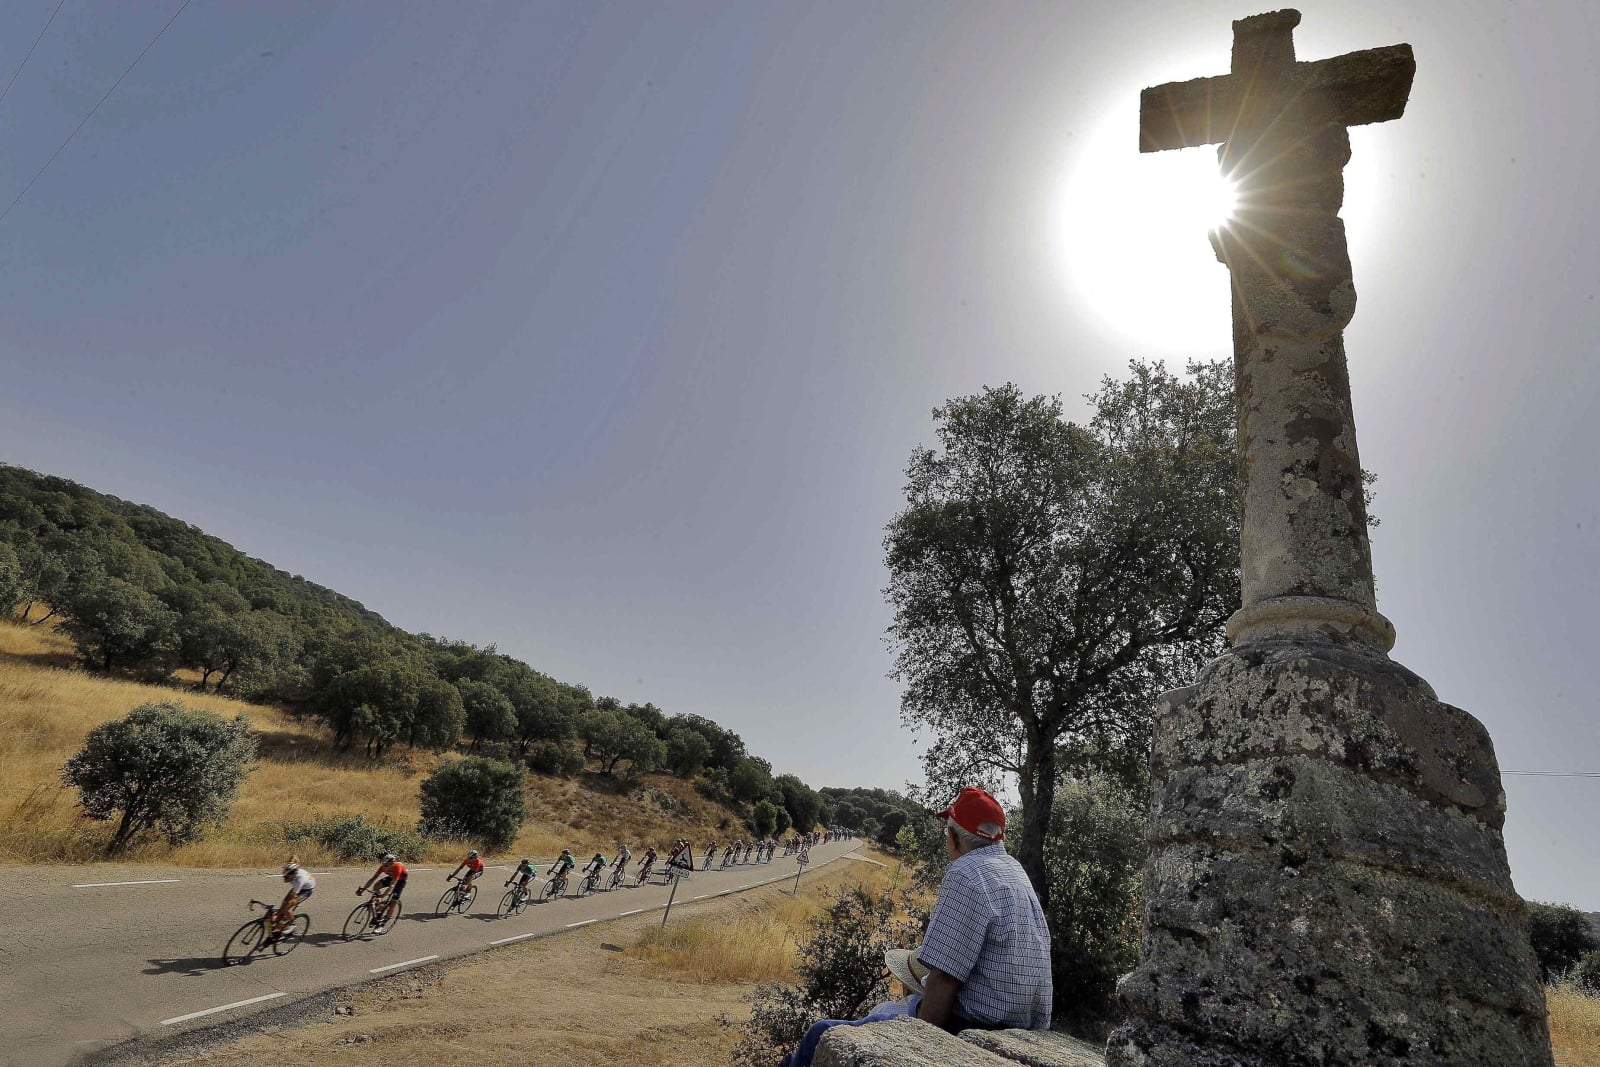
pixel 914 1043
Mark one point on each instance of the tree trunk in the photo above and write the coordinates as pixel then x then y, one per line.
pixel 25 609
pixel 226 674
pixel 205 677
pixel 43 617
pixel 125 828
pixel 1037 785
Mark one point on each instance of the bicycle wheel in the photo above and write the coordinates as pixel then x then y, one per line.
pixel 466 900
pixel 359 922
pixel 289 939
pixel 508 904
pixel 391 916
pixel 446 902
pixel 245 943
pixel 553 889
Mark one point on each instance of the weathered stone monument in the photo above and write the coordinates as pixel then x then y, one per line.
pixel 1328 882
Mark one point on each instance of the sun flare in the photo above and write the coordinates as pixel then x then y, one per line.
pixel 1131 234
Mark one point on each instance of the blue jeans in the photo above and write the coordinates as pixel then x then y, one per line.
pixel 801 1057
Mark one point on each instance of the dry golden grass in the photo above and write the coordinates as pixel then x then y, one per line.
pixel 756 942
pixel 1574 1027
pixel 48 705
pixel 575 998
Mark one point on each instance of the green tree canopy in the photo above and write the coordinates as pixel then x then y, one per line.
pixel 1049 579
pixel 687 751
pixel 166 768
pixel 613 736
pixel 1561 936
pixel 474 799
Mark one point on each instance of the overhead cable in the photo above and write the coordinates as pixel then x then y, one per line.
pixel 92 110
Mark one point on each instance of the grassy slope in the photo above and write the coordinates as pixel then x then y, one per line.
pixel 623 993
pixel 47 707
pixel 1574 1027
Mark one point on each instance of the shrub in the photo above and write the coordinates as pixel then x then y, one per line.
pixel 1586 975
pixel 352 837
pixel 1094 857
pixel 764 818
pixel 167 768
pixel 474 798
pixel 554 757
pixel 1561 935
pixel 840 973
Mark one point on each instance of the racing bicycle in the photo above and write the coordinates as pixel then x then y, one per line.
pixel 256 936
pixel 376 916
pixel 516 898
pixel 555 887
pixel 458 898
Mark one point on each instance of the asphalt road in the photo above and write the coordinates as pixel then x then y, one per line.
pixel 90 956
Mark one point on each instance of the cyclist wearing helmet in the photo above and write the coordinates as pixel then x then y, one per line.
pixel 522 875
pixel 597 863
pixel 647 861
pixel 472 865
pixel 624 854
pixel 564 863
pixel 301 885
pixel 391 874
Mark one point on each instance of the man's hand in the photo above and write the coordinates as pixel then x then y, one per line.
pixel 938 998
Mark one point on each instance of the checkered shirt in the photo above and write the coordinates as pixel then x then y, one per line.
pixel 989 933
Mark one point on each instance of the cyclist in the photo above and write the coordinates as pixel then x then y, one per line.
pixel 647 861
pixel 522 875
pixel 681 855
pixel 391 875
pixel 473 865
pixel 301 885
pixel 624 854
pixel 564 863
pixel 596 864
pixel 727 854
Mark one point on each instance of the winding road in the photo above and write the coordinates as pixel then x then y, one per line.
pixel 91 956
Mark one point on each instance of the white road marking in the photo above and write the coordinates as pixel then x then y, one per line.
pixel 702 896
pixel 407 963
pixel 419 870
pixel 745 886
pixel 635 911
pixel 225 1007
pixel 585 922
pixel 508 940
pixel 147 881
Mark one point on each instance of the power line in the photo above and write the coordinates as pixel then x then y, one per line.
pixel 92 110
pixel 24 63
pixel 1558 774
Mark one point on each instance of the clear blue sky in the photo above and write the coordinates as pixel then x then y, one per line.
pixel 603 332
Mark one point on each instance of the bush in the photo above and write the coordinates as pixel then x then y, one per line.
pixel 1094 857
pixel 1586 975
pixel 840 972
pixel 764 818
pixel 167 768
pixel 352 838
pixel 474 798
pixel 1561 935
pixel 554 757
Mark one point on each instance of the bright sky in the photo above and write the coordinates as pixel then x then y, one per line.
pixel 603 332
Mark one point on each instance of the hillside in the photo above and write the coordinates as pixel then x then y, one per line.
pixel 353 711
pixel 47 706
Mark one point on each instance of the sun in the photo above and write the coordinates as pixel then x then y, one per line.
pixel 1130 234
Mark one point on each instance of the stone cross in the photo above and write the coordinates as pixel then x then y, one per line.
pixel 1327 881
pixel 1282 126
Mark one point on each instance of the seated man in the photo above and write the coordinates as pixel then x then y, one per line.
pixel 987 948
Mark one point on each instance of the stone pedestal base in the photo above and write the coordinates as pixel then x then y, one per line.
pixel 1328 883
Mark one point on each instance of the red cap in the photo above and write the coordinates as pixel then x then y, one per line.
pixel 974 807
